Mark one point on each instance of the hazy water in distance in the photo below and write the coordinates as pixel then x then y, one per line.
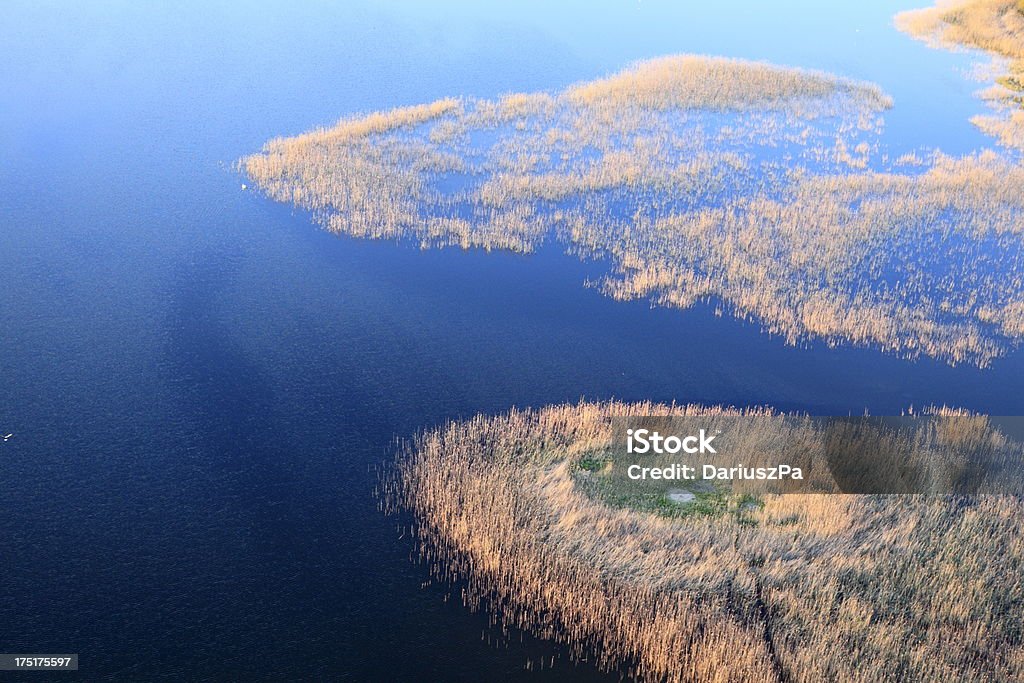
pixel 201 383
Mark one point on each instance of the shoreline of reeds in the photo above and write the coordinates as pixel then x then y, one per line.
pixel 821 587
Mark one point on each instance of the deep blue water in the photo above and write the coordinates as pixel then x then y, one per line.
pixel 201 383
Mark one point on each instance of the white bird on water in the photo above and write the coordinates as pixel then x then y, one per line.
pixel 7 436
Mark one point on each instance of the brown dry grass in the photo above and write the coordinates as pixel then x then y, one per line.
pixel 851 588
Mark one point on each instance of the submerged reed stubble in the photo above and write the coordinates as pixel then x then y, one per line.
pixel 759 187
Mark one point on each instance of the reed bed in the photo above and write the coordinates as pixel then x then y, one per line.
pixel 682 82
pixel 758 187
pixel 995 26
pixel 818 587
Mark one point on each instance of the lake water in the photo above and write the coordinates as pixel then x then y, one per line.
pixel 202 384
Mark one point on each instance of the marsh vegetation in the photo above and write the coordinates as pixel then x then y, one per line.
pixel 761 188
pixel 781 587
pixel 765 190
pixel 995 26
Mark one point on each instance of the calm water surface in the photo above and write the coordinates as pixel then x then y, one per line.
pixel 201 383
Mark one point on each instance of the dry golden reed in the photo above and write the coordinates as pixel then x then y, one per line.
pixel 996 26
pixel 808 588
pixel 758 187
pixel 683 82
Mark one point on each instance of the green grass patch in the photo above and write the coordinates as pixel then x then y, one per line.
pixel 710 500
pixel 591 463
